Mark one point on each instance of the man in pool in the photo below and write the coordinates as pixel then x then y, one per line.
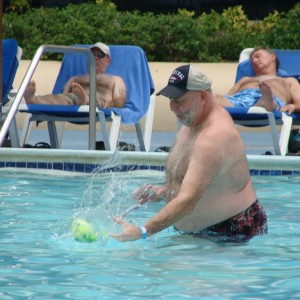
pixel 266 88
pixel 208 188
pixel 110 90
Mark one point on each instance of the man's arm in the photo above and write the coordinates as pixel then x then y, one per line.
pixel 295 93
pixel 119 93
pixel 236 88
pixel 149 193
pixel 82 80
pixel 201 171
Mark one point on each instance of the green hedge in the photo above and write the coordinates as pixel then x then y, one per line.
pixel 180 37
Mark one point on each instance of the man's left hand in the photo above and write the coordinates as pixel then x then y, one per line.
pixel 289 108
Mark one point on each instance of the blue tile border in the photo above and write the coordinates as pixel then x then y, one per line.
pixel 89 167
pixel 273 172
pixel 76 167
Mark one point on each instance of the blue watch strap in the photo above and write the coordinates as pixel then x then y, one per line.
pixel 143 231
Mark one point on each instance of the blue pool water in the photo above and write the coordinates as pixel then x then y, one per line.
pixel 39 258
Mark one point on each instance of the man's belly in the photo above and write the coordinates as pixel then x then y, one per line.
pixel 212 211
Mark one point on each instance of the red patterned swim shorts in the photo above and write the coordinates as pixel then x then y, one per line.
pixel 244 225
pixel 241 227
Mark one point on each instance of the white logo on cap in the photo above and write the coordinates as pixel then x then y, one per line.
pixel 178 73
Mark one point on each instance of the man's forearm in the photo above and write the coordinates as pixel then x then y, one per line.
pixel 82 80
pixel 167 216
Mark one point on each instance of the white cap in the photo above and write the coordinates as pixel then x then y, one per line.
pixel 102 47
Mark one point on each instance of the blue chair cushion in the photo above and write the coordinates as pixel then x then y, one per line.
pixel 10 65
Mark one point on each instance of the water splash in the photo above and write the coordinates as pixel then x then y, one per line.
pixel 108 194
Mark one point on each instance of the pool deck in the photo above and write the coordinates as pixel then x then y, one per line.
pixel 257 140
pixel 258 143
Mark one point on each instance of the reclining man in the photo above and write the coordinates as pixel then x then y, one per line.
pixel 110 90
pixel 266 89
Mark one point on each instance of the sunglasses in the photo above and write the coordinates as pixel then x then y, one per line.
pixel 99 54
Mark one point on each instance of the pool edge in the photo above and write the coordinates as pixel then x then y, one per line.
pixel 13 157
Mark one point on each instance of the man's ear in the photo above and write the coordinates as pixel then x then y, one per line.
pixel 273 56
pixel 203 94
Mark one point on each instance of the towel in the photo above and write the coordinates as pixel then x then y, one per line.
pixel 10 65
pixel 128 62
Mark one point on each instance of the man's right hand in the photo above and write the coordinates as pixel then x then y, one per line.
pixel 149 193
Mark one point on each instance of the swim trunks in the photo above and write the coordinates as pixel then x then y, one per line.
pixel 71 98
pixel 241 227
pixel 250 97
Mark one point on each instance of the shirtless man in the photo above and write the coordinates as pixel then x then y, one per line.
pixel 266 89
pixel 111 90
pixel 208 188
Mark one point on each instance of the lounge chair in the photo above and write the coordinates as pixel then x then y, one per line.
pixel 129 62
pixel 258 116
pixel 11 55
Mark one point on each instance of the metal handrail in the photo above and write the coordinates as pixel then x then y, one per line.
pixel 92 102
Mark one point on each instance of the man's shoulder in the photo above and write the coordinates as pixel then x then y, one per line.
pixel 290 79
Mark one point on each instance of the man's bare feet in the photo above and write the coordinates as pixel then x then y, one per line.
pixel 29 93
pixel 267 96
pixel 78 90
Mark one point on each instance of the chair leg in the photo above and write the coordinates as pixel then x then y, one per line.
pixel 27 126
pixel 53 135
pixel 13 133
pixel 274 133
pixel 139 134
pixel 102 121
pixel 114 131
pixel 285 133
pixel 149 124
pixel 60 132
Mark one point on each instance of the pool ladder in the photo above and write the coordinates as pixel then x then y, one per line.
pixel 10 118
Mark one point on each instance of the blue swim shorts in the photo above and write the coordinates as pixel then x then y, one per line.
pixel 250 97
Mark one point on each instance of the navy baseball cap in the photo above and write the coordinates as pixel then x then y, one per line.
pixel 183 79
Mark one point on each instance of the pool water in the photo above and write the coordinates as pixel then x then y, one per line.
pixel 39 258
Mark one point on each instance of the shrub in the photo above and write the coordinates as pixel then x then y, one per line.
pixel 285 33
pixel 258 32
pixel 182 37
pixel 59 26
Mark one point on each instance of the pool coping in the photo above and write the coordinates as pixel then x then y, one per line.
pixel 86 160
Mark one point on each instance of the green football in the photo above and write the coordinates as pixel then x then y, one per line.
pixel 83 231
